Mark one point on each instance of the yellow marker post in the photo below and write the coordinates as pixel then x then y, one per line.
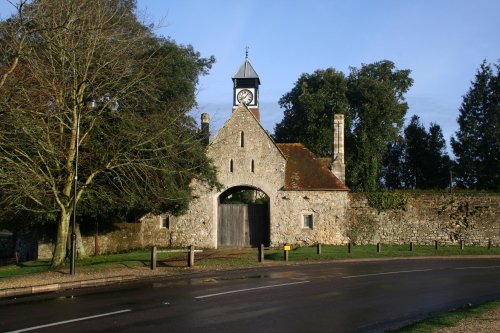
pixel 286 248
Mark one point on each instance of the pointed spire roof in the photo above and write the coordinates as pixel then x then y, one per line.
pixel 246 71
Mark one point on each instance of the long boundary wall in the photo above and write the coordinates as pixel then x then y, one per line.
pixel 447 218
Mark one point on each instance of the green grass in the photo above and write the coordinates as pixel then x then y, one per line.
pixel 214 258
pixel 448 319
pixel 102 262
pixel 370 251
pixel 232 261
pixel 25 268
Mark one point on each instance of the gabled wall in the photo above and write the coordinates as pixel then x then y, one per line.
pixel 269 163
pixel 199 225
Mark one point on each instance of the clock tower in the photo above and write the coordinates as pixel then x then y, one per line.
pixel 246 88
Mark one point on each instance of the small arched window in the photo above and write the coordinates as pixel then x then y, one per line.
pixel 231 166
pixel 253 166
pixel 242 139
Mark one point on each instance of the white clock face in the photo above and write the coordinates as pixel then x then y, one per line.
pixel 245 96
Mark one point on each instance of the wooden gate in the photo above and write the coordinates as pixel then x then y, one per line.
pixel 242 225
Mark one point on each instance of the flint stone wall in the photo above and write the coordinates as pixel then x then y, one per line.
pixel 329 217
pixel 339 217
pixel 125 237
pixel 195 227
pixel 447 218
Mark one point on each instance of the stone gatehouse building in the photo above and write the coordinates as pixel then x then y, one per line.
pixel 304 201
pixel 300 199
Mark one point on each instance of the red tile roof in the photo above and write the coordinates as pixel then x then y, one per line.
pixel 304 171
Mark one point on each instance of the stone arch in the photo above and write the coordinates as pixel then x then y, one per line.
pixel 243 217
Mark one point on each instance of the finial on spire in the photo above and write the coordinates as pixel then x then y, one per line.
pixel 246 52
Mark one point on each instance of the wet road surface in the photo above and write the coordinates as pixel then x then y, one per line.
pixel 361 296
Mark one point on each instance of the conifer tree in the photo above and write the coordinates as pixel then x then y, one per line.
pixel 477 142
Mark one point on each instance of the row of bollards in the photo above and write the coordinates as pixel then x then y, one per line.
pixel 286 248
pixel 436 246
pixel 379 248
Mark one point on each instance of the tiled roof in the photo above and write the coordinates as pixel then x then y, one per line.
pixel 304 171
pixel 325 161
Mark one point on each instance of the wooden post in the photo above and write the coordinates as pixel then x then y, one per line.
pixel 411 246
pixel 96 239
pixel 451 180
pixel 191 256
pixel 349 247
pixel 489 244
pixel 261 253
pixel 153 258
pixel 436 245
pixel 379 247
pixel 461 244
pixel 319 248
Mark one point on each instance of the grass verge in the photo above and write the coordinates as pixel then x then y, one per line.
pixel 219 259
pixel 449 319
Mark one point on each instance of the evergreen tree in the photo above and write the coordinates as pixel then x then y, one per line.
pixel 393 165
pixel 372 101
pixel 309 109
pixel 415 154
pixel 377 107
pixel 477 142
pixel 438 164
pixel 418 159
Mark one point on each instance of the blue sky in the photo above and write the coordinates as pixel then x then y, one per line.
pixel 442 42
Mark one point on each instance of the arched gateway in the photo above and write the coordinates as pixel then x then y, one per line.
pixel 243 218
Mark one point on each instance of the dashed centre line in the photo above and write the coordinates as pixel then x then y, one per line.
pixel 477 267
pixel 250 289
pixel 386 273
pixel 70 321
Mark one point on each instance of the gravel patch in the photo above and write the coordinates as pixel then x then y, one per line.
pixel 488 322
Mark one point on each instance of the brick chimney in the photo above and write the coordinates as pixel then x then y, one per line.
pixel 205 128
pixel 338 165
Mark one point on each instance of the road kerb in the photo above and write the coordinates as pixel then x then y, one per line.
pixel 45 288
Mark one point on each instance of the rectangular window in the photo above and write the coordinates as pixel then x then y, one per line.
pixel 164 222
pixel 308 221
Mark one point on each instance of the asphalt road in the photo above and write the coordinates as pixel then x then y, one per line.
pixel 363 296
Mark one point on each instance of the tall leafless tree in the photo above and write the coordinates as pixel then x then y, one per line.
pixel 91 65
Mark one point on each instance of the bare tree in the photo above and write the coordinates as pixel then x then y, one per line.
pixel 90 66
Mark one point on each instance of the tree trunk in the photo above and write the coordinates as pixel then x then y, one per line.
pixel 79 244
pixel 61 239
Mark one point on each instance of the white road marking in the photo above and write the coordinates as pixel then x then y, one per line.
pixel 386 273
pixel 250 289
pixel 69 321
pixel 478 267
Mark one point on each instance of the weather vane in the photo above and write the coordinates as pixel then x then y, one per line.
pixel 246 52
